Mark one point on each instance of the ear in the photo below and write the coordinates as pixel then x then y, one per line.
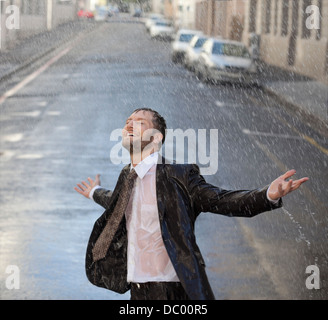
pixel 158 137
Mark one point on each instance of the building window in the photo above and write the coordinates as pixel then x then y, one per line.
pixel 306 32
pixel 284 19
pixel 268 16
pixel 252 16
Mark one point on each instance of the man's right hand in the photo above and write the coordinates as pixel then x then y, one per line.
pixel 84 188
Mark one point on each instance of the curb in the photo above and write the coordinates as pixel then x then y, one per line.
pixel 37 57
pixel 26 64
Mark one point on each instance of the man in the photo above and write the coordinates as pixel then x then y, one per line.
pixel 145 241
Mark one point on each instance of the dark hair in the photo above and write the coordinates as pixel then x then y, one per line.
pixel 158 121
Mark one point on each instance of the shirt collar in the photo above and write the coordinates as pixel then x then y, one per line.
pixel 144 166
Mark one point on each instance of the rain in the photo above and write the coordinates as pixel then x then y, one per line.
pixel 246 105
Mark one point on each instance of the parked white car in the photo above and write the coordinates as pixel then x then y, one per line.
pixel 162 29
pixel 193 51
pixel 225 60
pixel 181 42
pixel 151 19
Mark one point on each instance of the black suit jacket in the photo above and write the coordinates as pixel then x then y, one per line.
pixel 182 194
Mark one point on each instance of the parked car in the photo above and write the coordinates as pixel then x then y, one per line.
pixel 162 29
pixel 113 11
pixel 181 42
pixel 102 13
pixel 225 60
pixel 137 13
pixel 85 14
pixel 193 51
pixel 152 18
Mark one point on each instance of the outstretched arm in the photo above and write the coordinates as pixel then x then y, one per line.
pixel 241 203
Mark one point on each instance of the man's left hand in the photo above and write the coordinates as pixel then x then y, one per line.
pixel 281 186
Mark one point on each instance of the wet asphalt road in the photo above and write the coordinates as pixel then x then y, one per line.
pixel 56 130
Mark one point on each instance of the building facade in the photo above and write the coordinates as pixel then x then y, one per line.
pixel 181 12
pixel 293 34
pixel 221 18
pixel 157 6
pixel 185 11
pixel 20 19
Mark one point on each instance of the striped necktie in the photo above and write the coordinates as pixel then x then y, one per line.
pixel 103 242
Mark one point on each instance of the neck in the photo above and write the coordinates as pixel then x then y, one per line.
pixel 136 158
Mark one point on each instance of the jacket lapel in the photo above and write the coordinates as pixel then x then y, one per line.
pixel 124 173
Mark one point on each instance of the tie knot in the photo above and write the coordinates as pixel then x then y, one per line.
pixel 132 175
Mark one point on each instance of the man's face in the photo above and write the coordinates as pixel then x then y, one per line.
pixel 138 131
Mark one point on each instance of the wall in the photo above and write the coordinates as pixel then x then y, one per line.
pixel 34 17
pixel 310 55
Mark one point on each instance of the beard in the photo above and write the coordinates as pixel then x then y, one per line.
pixel 137 146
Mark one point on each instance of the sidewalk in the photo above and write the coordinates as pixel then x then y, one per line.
pixel 33 48
pixel 299 93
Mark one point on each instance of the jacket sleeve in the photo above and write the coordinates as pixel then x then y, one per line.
pixel 102 197
pixel 239 203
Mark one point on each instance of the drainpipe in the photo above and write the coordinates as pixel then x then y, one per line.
pixel 49 14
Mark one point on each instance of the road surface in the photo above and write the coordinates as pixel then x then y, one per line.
pixel 58 120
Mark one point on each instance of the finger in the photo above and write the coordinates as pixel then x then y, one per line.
pixel 85 184
pixel 81 187
pixel 288 174
pixel 90 180
pixel 298 183
pixel 78 190
pixel 304 179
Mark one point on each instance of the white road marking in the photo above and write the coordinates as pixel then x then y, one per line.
pixel 269 134
pixel 42 103
pixel 6 155
pixel 13 137
pixel 33 75
pixel 220 104
pixel 30 156
pixel 53 113
pixel 32 114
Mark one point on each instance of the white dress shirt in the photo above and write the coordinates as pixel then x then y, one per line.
pixel 147 256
